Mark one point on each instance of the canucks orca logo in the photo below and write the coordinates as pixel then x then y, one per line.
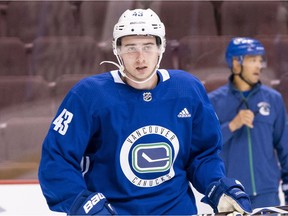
pixel 264 108
pixel 154 161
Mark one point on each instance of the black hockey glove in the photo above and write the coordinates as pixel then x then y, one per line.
pixel 285 188
pixel 89 203
pixel 227 195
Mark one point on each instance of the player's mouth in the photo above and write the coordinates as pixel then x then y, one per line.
pixel 141 69
pixel 256 74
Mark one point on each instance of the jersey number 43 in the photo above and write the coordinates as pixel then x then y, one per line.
pixel 62 122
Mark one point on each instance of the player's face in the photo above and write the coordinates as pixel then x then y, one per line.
pixel 252 66
pixel 140 55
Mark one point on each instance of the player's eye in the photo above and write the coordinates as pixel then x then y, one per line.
pixel 131 49
pixel 147 48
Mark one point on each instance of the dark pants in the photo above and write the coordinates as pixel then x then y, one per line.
pixel 265 200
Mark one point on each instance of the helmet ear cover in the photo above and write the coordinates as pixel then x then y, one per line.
pixel 239 59
pixel 158 41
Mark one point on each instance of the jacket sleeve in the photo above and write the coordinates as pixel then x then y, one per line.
pixel 225 130
pixel 280 137
pixel 60 173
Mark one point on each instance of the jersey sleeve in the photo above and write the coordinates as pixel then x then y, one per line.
pixel 206 165
pixel 60 173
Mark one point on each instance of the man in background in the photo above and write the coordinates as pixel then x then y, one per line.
pixel 253 123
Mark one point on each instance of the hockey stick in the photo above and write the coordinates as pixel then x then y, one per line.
pixel 277 210
pixel 283 210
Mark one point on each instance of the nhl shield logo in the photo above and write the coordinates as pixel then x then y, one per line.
pixel 147 96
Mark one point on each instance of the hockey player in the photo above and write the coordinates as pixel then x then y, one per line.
pixel 129 141
pixel 253 123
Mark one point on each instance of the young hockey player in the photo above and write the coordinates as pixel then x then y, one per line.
pixel 253 123
pixel 129 141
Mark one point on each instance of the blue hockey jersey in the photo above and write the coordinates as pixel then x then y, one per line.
pixel 256 156
pixel 140 148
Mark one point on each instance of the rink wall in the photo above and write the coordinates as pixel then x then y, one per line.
pixel 25 198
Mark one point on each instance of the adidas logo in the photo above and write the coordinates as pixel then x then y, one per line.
pixel 184 114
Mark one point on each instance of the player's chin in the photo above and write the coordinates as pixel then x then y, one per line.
pixel 141 78
pixel 144 74
pixel 254 82
pixel 255 79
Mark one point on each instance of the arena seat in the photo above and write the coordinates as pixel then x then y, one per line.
pixel 92 17
pixel 214 83
pixel 31 19
pixel 13 57
pixel 25 113
pixel 182 18
pixel 203 56
pixel 281 56
pixel 3 10
pixel 154 5
pixel 53 56
pixel 249 18
pixel 63 84
pixel 282 87
pixel 276 47
pixel 109 11
pixel 17 90
pixel 22 138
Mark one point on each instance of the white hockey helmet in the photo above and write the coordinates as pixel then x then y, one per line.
pixel 139 22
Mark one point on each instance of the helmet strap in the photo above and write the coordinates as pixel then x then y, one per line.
pixel 242 77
